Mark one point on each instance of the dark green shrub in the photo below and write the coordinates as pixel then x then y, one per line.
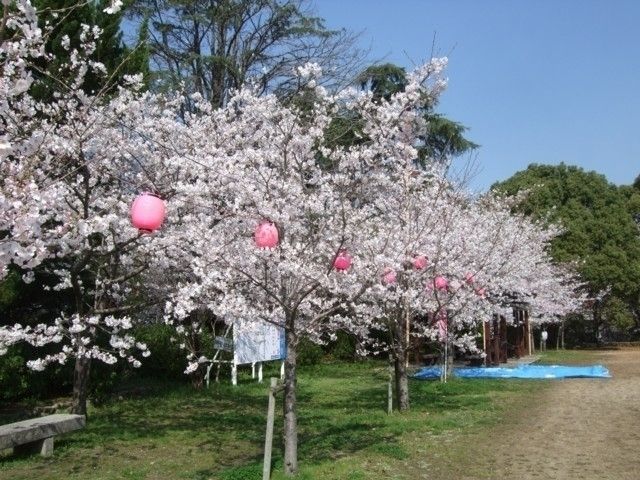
pixel 17 381
pixel 343 348
pixel 309 353
pixel 251 472
pixel 167 360
pixel 13 375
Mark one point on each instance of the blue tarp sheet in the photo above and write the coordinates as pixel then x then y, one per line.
pixel 521 371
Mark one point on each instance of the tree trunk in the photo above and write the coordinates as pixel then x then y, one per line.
pixel 219 67
pixel 80 385
pixel 450 358
pixel 402 381
pixel 390 386
pixel 400 352
pixel 596 322
pixel 197 377
pixel 290 417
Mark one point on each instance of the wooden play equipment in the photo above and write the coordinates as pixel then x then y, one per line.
pixel 502 341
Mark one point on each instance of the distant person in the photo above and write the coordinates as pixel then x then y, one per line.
pixel 543 340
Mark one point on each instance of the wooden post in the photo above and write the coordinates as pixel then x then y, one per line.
pixel 408 335
pixel 234 374
pixel 260 372
pixel 484 343
pixel 486 330
pixel 503 340
pixel 529 332
pixel 268 441
pixel 446 360
pixel 525 332
pixel 218 366
pixel 253 370
pixel 207 377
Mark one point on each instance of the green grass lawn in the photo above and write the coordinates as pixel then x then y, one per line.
pixel 174 432
pixel 567 357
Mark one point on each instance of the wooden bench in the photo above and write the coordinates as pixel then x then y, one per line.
pixel 36 435
pixel 430 358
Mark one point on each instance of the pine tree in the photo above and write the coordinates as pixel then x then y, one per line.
pixel 67 17
pixel 138 57
pixel 444 138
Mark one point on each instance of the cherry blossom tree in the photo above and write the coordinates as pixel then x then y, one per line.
pixel 263 165
pixel 449 261
pixel 70 169
pixel 268 220
pixel 23 205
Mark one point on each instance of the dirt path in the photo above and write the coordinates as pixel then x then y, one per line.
pixel 577 429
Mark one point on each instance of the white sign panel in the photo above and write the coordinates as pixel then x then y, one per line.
pixel 256 341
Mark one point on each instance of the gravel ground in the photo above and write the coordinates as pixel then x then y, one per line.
pixel 576 429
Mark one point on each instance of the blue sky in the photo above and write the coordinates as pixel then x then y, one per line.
pixel 538 81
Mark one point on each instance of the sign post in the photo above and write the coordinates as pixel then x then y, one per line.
pixel 268 440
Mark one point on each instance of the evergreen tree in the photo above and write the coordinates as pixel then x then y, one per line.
pixel 600 235
pixel 67 17
pixel 138 59
pixel 632 193
pixel 444 138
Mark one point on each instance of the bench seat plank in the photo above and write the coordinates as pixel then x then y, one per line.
pixel 35 429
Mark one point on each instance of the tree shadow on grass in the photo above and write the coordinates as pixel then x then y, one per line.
pixel 334 441
pixel 207 415
pixel 341 411
pixel 372 399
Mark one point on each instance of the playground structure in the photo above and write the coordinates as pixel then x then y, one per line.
pixel 502 341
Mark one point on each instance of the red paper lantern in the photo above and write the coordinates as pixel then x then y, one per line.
pixel 342 261
pixel 147 212
pixel 389 276
pixel 420 262
pixel 441 283
pixel 266 235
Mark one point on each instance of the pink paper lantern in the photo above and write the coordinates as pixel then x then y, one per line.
pixel 481 292
pixel 342 261
pixel 441 283
pixel 389 276
pixel 266 235
pixel 147 212
pixel 469 278
pixel 420 262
